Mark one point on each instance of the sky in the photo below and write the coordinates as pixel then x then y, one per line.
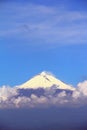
pixel 38 36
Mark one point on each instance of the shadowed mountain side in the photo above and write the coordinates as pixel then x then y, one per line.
pixel 42 92
pixel 44 119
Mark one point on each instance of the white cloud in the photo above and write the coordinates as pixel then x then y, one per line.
pixel 7 92
pixel 79 96
pixel 81 90
pixel 22 102
pixel 82 87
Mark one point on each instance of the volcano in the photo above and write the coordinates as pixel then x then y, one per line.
pixel 45 80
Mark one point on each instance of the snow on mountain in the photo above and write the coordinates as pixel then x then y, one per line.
pixel 45 80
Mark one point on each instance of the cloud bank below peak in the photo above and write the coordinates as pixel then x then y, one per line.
pixel 10 98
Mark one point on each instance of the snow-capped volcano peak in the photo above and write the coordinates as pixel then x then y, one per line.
pixel 45 73
pixel 45 80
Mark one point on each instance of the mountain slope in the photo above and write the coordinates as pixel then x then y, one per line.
pixel 45 80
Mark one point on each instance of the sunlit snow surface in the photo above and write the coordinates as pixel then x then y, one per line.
pixel 45 80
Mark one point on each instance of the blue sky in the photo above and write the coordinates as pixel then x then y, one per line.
pixel 40 35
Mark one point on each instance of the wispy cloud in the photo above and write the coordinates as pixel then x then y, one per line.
pixel 43 24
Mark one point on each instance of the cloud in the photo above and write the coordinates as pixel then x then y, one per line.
pixel 12 98
pixel 7 92
pixel 80 94
pixel 36 23
pixel 81 90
